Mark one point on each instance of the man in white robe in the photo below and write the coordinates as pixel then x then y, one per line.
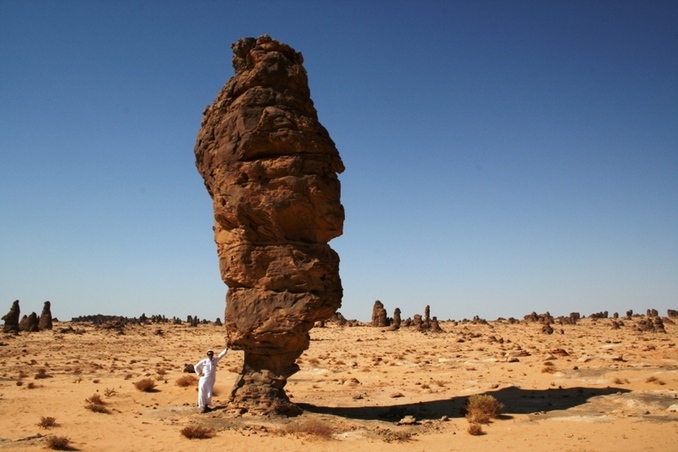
pixel 207 371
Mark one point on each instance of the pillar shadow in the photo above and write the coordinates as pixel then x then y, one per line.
pixel 515 400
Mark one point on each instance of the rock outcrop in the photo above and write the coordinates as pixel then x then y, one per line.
pixel 435 326
pixel 396 318
pixel 12 318
pixel 29 323
pixel 45 322
pixel 654 324
pixel 271 170
pixel 379 314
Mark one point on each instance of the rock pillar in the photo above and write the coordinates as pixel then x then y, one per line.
pixel 271 170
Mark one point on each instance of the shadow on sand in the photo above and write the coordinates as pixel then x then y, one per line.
pixel 515 400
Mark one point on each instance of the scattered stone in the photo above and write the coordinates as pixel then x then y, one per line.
pixel 396 395
pixel 407 420
pixel 651 324
pixel 599 315
pixel 544 318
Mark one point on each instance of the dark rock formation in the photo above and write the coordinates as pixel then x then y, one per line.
pixel 29 323
pixel 599 315
pixel 544 318
pixel 651 324
pixel 379 315
pixel 396 318
pixel 477 320
pixel 427 316
pixel 45 322
pixel 672 313
pixel 271 170
pixel 12 318
pixel 435 326
pixel 338 318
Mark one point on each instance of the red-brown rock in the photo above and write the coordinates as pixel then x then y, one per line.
pixel 12 318
pixel 271 170
pixel 45 321
pixel 379 315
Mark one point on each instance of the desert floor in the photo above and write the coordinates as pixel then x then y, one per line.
pixel 587 387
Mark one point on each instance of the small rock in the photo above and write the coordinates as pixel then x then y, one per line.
pixel 407 420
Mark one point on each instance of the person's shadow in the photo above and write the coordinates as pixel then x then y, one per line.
pixel 514 399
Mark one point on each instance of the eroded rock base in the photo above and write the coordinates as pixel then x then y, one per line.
pixel 261 392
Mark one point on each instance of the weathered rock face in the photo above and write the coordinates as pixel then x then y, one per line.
pixel 45 322
pixel 29 323
pixel 435 326
pixel 396 318
pixel 271 170
pixel 12 318
pixel 379 315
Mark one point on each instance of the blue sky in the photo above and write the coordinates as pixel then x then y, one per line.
pixel 502 157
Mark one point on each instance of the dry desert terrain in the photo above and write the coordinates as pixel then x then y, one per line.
pixel 586 387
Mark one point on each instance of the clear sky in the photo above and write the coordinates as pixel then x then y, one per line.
pixel 502 157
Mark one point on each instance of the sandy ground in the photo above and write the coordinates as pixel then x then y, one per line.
pixel 587 387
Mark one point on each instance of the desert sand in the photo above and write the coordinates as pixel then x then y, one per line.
pixel 586 387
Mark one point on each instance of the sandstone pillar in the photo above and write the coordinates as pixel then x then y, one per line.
pixel 271 170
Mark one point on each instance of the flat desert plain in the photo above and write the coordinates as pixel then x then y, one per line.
pixel 586 387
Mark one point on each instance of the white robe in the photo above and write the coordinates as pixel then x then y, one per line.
pixel 207 370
